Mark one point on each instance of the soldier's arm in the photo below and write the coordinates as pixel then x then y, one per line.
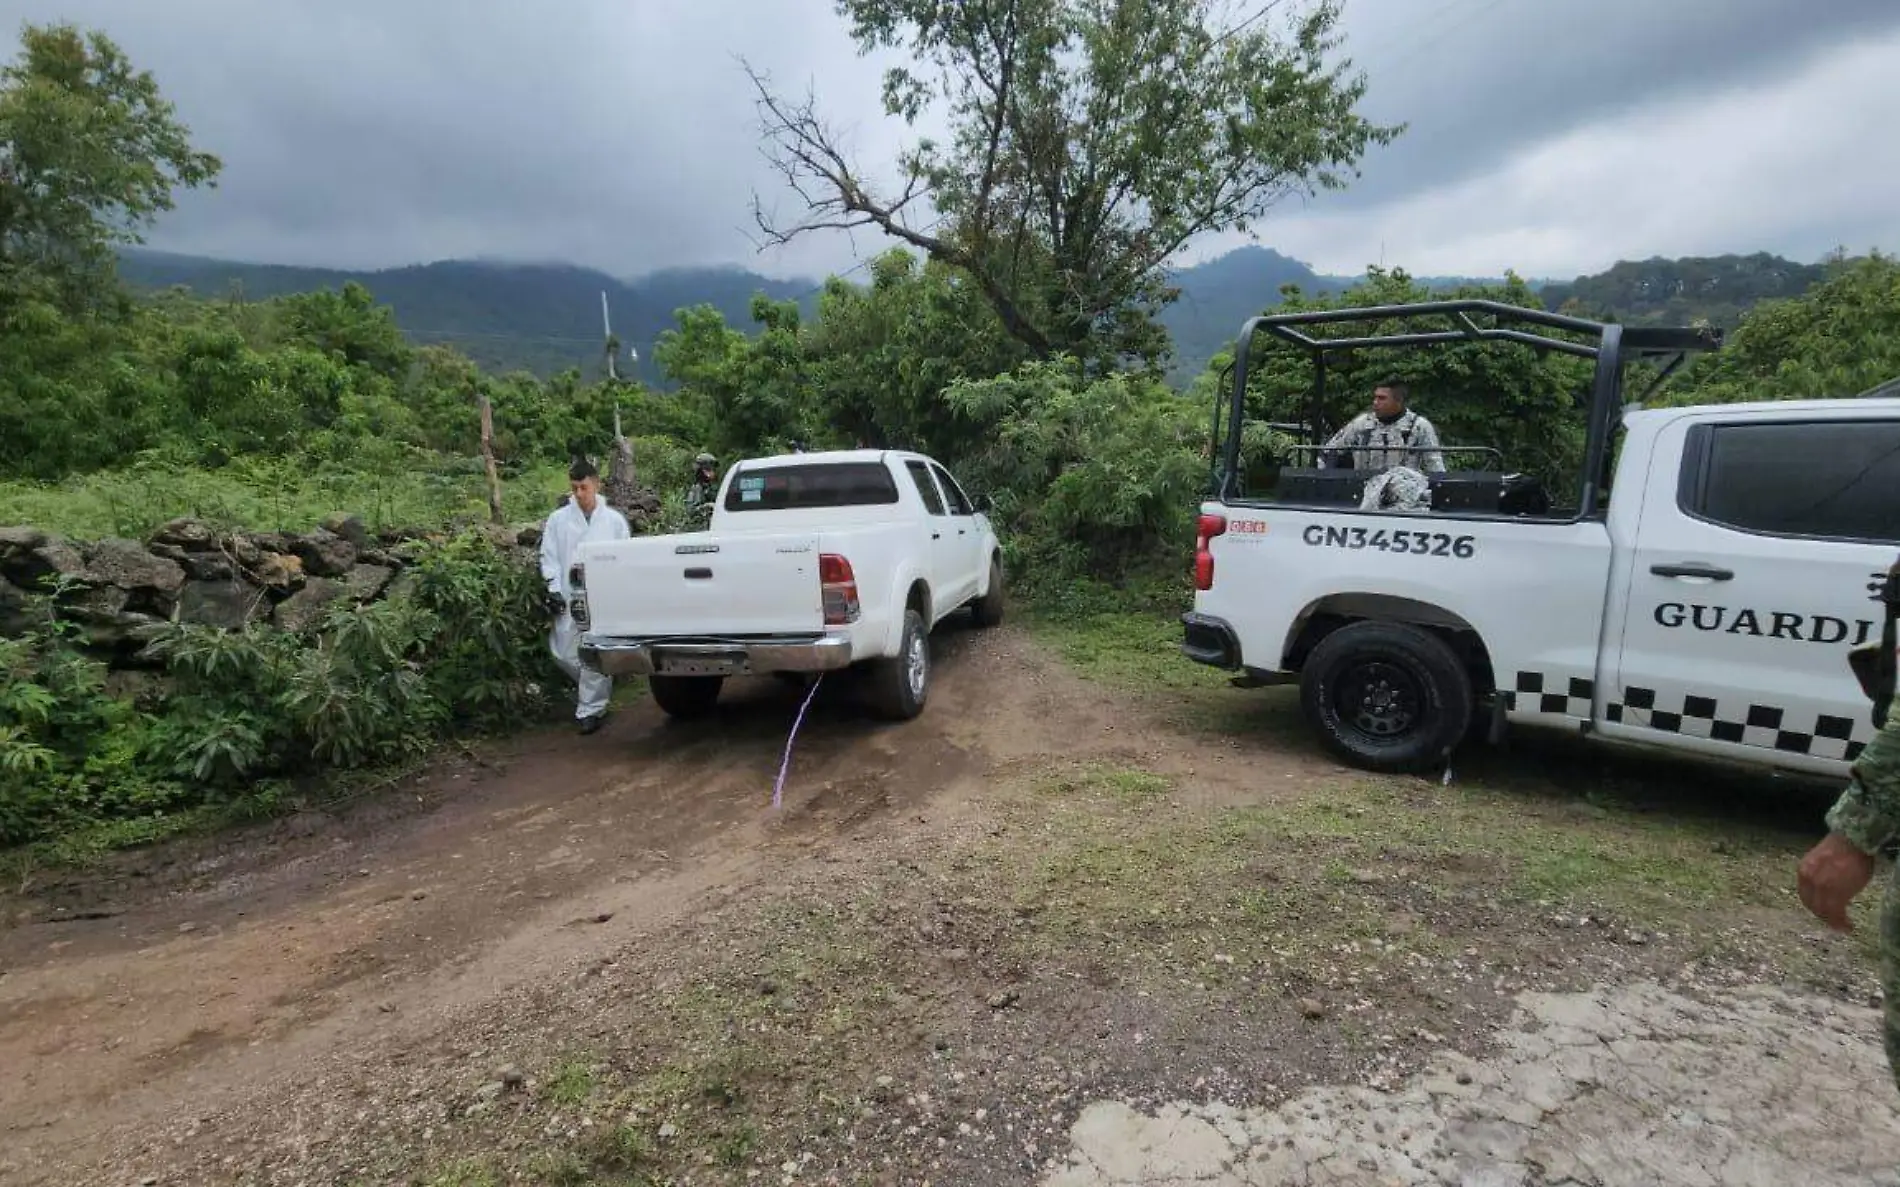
pixel 1867 814
pixel 1353 434
pixel 1426 442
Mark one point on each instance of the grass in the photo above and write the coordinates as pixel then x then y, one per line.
pixel 1125 649
pixel 262 494
pixel 464 1172
pixel 572 1083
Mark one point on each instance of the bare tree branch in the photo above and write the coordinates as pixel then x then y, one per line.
pixel 805 152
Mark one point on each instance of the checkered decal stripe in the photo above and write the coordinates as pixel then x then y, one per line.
pixel 1564 696
pixel 1767 726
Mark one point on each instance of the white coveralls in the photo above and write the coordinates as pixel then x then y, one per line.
pixel 560 538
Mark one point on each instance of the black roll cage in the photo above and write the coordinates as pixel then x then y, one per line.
pixel 1614 346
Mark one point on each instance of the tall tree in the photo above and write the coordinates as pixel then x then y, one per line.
pixel 1090 140
pixel 90 154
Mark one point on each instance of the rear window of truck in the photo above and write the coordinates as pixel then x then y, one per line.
pixel 827 484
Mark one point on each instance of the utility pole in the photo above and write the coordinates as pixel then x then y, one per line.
pixel 620 483
pixel 607 328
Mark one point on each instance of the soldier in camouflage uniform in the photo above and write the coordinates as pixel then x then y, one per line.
pixel 1865 820
pixel 1389 435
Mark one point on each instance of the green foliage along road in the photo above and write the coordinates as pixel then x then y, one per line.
pixel 121 411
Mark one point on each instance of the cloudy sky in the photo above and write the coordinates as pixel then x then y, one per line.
pixel 1549 136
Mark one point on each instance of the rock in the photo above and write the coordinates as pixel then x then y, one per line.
pixel 364 583
pixel 229 604
pixel 198 566
pixel 186 534
pixel 1312 1007
pixel 304 610
pixel 187 928
pixel 528 536
pixel 33 557
pixel 510 1077
pixel 133 685
pixel 324 554
pixel 16 610
pixel 19 540
pixel 151 582
pixel 278 573
pixel 350 528
pixel 1004 999
pixel 245 552
pixel 401 586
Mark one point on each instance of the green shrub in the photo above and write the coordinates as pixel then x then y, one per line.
pixel 459 647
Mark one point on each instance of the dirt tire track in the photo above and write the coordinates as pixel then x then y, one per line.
pixel 225 966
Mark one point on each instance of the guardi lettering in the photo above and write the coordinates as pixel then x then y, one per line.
pixel 1765 624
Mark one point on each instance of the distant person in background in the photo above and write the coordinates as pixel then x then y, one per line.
pixel 585 516
pixel 1389 435
pixel 699 495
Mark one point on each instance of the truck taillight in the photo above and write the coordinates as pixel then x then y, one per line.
pixel 839 586
pixel 1210 526
pixel 577 576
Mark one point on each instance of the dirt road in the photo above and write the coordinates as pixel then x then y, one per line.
pixel 345 999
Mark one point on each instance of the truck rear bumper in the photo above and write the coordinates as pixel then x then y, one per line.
pixel 1210 641
pixel 714 657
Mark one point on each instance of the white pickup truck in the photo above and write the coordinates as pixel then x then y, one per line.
pixel 811 562
pixel 1698 592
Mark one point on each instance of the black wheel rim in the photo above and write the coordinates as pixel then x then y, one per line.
pixel 1379 700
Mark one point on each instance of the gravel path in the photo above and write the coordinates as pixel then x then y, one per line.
pixel 1632 1086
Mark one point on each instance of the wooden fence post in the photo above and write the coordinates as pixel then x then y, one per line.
pixel 488 459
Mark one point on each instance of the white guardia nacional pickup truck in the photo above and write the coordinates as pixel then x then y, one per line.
pixel 1698 592
pixel 812 562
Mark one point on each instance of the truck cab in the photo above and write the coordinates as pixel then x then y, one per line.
pixel 1698 590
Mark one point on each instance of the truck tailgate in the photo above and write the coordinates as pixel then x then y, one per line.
pixel 704 584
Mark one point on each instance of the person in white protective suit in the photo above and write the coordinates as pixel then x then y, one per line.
pixel 585 516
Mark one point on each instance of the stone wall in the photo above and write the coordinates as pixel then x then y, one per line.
pixel 123 591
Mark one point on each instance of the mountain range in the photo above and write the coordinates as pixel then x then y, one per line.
pixel 546 317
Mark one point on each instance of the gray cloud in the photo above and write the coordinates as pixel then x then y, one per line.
pixel 621 134
pixel 1480 80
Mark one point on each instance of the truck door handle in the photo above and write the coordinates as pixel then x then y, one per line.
pixel 1709 571
pixel 698 574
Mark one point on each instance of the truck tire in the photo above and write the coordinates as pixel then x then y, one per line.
pixel 897 686
pixel 987 610
pixel 1386 696
pixel 685 697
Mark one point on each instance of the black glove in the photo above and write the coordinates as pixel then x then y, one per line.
pixel 555 604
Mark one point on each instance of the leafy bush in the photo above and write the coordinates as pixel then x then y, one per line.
pixel 1839 338
pixel 460 646
pixel 1093 478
